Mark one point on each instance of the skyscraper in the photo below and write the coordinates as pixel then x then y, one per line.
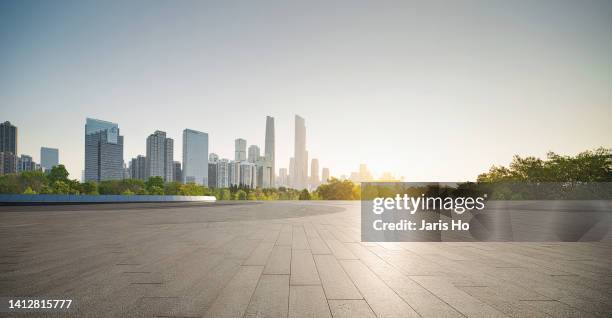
pixel 325 175
pixel 160 156
pixel 269 150
pixel 178 172
pixel 300 173
pixel 314 173
pixel 49 158
pixel 8 148
pixel 213 164
pixel 248 174
pixel 291 177
pixel 138 168
pixel 233 173
pixel 282 177
pixel 195 157
pixel 240 150
pixel 103 151
pixel 223 173
pixel 25 163
pixel 254 154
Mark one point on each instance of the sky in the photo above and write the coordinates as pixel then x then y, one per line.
pixel 428 90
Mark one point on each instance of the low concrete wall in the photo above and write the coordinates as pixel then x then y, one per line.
pixel 59 198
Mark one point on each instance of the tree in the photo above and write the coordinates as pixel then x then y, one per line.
pixel 127 192
pixel 61 187
pixel 241 195
pixel 335 189
pixel 304 195
pixel 192 189
pixel 29 190
pixel 154 184
pixel 58 173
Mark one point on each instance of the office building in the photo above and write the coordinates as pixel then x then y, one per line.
pixel 248 174
pixel 269 150
pixel 240 150
pixel 103 151
pixel 25 163
pixel 254 154
pixel 195 157
pixel 8 137
pixel 325 175
pixel 213 164
pixel 233 173
pixel 8 148
pixel 178 172
pixel 283 177
pixel 160 156
pixel 138 168
pixel 314 173
pixel 49 158
pixel 223 173
pixel 300 173
pixel 291 172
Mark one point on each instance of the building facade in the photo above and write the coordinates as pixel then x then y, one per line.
pixel 254 153
pixel 240 150
pixel 178 172
pixel 49 158
pixel 160 156
pixel 299 176
pixel 223 173
pixel 8 148
pixel 213 164
pixel 314 173
pixel 103 151
pixel 325 175
pixel 270 150
pixel 137 168
pixel 195 157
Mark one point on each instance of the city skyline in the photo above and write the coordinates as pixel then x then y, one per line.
pixel 428 91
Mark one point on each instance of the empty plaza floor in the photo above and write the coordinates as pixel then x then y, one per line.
pixel 281 259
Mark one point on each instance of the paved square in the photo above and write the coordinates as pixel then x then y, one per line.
pixel 283 259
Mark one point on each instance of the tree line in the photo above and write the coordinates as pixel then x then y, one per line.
pixel 56 181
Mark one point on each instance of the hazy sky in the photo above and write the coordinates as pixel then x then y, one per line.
pixel 431 90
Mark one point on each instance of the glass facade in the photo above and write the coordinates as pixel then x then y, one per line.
pixel 195 156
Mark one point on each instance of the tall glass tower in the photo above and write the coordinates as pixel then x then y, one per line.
pixel 195 157
pixel 269 151
pixel 103 151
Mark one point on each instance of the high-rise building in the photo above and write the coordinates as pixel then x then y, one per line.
pixel 10 163
pixel 213 164
pixel 314 173
pixel 291 177
pixel 283 180
pixel 364 173
pixel 8 137
pixel 25 163
pixel 49 158
pixel 248 174
pixel 8 148
pixel 138 168
pixel 240 150
pixel 254 154
pixel 160 156
pixel 300 173
pixel 103 151
pixel 195 157
pixel 223 173
pixel 233 173
pixel 178 172
pixel 325 175
pixel 269 150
